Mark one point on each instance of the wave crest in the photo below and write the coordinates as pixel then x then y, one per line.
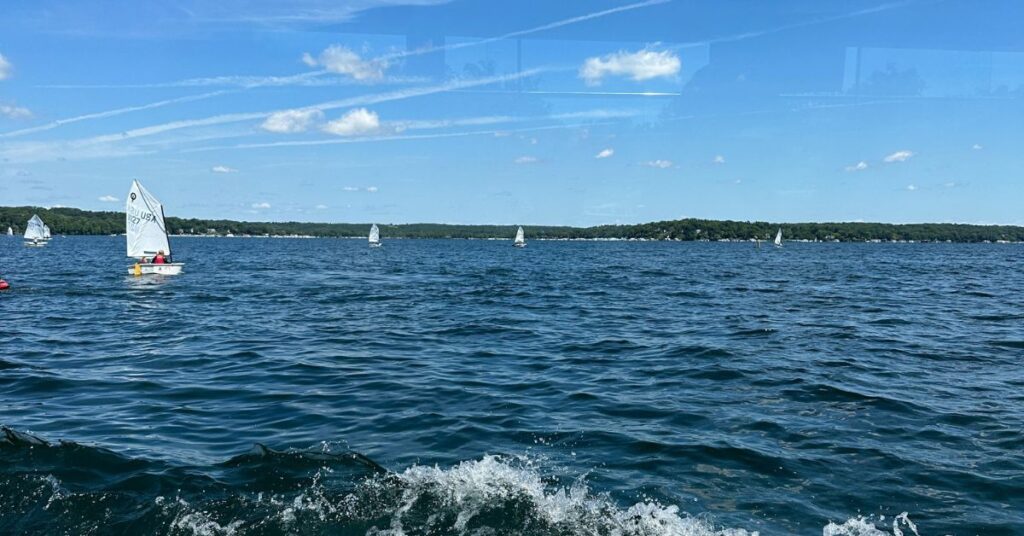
pixel 861 526
pixel 69 488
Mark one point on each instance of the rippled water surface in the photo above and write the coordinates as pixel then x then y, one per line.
pixel 467 387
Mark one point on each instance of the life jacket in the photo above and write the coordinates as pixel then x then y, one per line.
pixel 159 259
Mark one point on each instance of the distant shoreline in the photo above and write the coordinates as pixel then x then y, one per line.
pixel 71 221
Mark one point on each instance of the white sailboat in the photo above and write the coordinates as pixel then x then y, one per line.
pixel 10 231
pixel 146 233
pixel 46 232
pixel 520 241
pixel 778 238
pixel 374 236
pixel 35 233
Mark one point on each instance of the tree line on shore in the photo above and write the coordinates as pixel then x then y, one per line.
pixel 72 221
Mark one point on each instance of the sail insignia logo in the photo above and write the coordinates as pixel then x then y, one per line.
pixel 136 216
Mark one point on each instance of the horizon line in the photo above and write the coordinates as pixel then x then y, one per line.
pixel 688 218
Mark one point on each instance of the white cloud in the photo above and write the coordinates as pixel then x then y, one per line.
pixel 15 112
pixel 638 66
pixel 351 188
pixel 526 160
pixel 977 147
pixel 292 121
pixel 321 207
pixel 911 187
pixel 105 145
pixel 951 184
pixel 223 169
pixel 605 153
pixel 899 156
pixel 5 67
pixel 261 205
pixel 371 189
pixel 718 159
pixel 355 122
pixel 660 164
pixel 108 199
pixel 859 166
pixel 342 60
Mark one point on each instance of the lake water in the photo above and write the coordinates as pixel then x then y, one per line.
pixel 287 386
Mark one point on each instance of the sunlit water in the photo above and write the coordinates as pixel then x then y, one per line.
pixel 468 387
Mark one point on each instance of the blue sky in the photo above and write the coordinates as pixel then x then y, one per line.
pixel 527 112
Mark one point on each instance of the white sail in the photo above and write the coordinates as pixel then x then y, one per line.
pixel 374 234
pixel 35 229
pixel 520 236
pixel 10 232
pixel 144 224
pixel 778 237
pixel 46 232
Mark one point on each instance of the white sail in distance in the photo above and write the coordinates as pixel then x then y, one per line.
pixel 374 235
pixel 35 229
pixel 46 232
pixel 520 237
pixel 778 237
pixel 144 224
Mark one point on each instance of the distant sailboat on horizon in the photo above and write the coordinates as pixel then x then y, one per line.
pixel 778 238
pixel 146 234
pixel 35 234
pixel 10 231
pixel 520 241
pixel 374 238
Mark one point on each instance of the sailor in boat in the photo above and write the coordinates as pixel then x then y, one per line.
pixel 159 258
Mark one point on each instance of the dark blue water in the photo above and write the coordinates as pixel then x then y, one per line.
pixel 467 387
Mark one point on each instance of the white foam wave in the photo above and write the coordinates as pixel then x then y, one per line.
pixel 196 521
pixel 492 495
pixel 861 526
pixel 471 488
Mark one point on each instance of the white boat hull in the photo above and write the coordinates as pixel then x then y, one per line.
pixel 35 244
pixel 374 244
pixel 171 268
pixel 519 245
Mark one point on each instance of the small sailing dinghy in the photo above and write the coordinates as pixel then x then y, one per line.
pixel 46 233
pixel 10 232
pixel 147 234
pixel 374 236
pixel 778 238
pixel 520 241
pixel 35 234
pixel 4 285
